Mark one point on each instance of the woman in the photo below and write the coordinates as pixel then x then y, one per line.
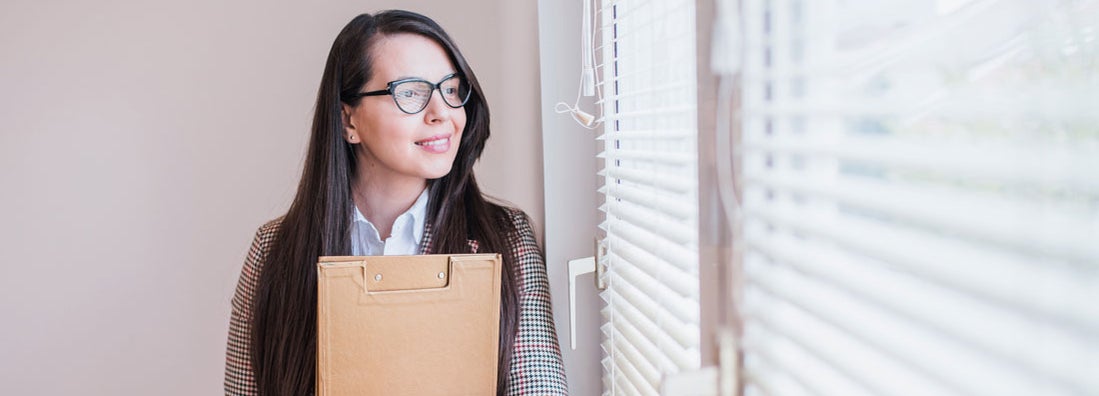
pixel 400 120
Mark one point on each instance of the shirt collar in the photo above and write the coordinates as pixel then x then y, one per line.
pixel 418 212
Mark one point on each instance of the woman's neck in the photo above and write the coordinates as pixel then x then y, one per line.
pixel 381 202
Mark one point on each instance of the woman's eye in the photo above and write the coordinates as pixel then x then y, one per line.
pixel 449 91
pixel 408 93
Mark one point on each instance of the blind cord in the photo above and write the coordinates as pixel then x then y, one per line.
pixel 589 83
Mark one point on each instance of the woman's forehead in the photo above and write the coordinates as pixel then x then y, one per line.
pixel 404 55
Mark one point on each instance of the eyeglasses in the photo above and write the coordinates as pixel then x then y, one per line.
pixel 412 94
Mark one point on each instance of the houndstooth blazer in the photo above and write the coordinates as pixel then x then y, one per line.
pixel 536 366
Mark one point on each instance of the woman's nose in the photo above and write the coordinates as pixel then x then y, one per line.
pixel 437 110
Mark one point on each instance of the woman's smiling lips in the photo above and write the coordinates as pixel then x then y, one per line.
pixel 435 144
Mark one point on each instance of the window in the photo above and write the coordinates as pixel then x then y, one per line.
pixel 651 318
pixel 920 197
pixel 917 201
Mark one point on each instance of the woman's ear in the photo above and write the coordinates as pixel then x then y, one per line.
pixel 349 132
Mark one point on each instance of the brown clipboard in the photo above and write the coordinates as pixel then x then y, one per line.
pixel 408 325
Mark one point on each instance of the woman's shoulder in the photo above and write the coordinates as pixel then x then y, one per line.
pixel 518 223
pixel 517 216
pixel 261 243
pixel 529 261
pixel 253 264
pixel 270 228
pixel 521 233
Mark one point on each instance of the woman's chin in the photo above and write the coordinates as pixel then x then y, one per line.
pixel 431 174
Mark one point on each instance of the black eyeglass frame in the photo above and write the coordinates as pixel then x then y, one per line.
pixel 434 87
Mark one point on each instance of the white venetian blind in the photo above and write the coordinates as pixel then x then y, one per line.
pixel 921 197
pixel 651 320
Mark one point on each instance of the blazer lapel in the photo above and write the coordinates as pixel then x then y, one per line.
pixel 426 239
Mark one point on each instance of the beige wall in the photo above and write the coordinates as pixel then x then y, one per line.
pixel 571 193
pixel 141 144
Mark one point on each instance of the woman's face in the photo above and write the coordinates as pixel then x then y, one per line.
pixel 394 146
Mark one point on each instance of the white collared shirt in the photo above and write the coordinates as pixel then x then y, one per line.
pixel 408 230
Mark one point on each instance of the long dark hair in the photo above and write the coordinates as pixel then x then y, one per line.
pixel 284 331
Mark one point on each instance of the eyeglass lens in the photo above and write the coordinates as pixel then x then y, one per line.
pixel 413 96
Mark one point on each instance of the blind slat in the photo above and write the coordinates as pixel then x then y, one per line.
pixel 641 330
pixel 979 216
pixel 663 203
pixel 648 134
pixel 621 329
pixel 775 318
pixel 649 112
pixel 659 225
pixel 647 93
pixel 673 277
pixel 653 245
pixel 992 275
pixel 648 302
pixel 643 366
pixel 771 351
pixel 994 330
pixel 628 366
pixel 1060 166
pixel 674 183
pixel 631 71
pixel 902 351
pixel 685 310
pixel 1070 104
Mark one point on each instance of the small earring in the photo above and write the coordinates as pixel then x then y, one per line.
pixel 351 138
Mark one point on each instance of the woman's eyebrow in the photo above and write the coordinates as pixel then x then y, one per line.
pixel 403 77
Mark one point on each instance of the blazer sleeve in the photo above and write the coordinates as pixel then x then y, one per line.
pixel 536 364
pixel 239 376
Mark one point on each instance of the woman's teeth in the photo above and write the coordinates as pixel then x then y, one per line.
pixel 437 142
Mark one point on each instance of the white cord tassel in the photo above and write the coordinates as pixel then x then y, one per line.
pixel 588 86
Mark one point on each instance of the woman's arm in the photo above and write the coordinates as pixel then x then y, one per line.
pixel 239 376
pixel 536 366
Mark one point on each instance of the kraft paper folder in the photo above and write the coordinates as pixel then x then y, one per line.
pixel 408 325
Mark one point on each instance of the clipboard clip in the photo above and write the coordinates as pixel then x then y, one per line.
pixel 384 278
